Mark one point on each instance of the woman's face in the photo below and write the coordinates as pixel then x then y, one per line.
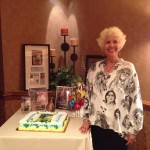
pixel 110 97
pixel 127 122
pixel 117 115
pixel 86 103
pixel 111 46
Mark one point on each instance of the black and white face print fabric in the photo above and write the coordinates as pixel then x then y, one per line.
pixel 101 80
pixel 124 81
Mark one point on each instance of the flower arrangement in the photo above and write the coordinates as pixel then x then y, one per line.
pixel 76 100
pixel 64 77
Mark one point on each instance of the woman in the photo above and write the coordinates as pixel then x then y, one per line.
pixel 116 75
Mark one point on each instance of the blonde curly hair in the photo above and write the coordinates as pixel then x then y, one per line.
pixel 111 31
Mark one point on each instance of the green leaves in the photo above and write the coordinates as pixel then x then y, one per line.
pixel 64 77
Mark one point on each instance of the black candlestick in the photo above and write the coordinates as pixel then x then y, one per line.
pixel 64 48
pixel 52 74
pixel 52 65
pixel 74 58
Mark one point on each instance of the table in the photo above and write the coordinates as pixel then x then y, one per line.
pixel 71 139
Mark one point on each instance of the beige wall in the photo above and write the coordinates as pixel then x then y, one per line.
pixel 38 21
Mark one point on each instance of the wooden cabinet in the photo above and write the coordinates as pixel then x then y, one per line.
pixel 2 112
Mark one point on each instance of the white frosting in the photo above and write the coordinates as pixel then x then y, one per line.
pixel 58 119
pixel 31 120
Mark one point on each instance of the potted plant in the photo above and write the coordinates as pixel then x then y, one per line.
pixel 64 77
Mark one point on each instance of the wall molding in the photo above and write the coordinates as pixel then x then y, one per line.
pixel 17 96
pixel 146 105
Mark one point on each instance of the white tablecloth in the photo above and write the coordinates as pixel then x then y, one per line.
pixel 71 139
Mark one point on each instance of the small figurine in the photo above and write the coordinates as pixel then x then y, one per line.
pixel 50 106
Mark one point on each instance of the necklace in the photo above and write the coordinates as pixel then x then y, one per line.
pixel 109 67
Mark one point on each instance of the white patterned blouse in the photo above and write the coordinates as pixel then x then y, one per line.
pixel 114 98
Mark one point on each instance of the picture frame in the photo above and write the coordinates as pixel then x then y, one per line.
pixel 39 98
pixel 89 60
pixel 36 57
pixel 62 97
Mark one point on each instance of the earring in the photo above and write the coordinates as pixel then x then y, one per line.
pixel 119 54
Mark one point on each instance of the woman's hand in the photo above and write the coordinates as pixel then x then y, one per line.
pixel 85 126
pixel 131 138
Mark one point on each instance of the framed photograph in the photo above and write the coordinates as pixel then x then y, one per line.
pixel 36 65
pixel 89 60
pixel 62 96
pixel 39 98
pixel 25 104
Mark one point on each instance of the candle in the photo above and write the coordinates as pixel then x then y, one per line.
pixel 64 31
pixel 74 42
pixel 67 92
pixel 52 52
